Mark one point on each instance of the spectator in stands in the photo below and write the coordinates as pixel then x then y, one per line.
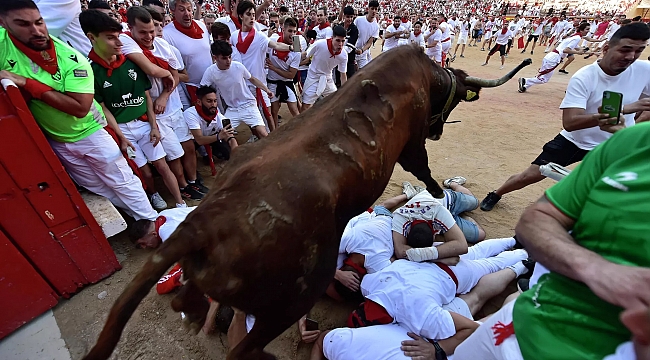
pixel 282 69
pixel 65 108
pixel 122 89
pixel 206 123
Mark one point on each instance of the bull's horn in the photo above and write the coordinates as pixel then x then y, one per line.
pixel 470 80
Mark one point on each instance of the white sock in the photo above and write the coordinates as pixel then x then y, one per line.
pixel 518 268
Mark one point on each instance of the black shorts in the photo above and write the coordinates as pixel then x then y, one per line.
pixel 560 151
pixel 534 38
pixel 221 150
pixel 381 33
pixel 475 34
pixel 500 48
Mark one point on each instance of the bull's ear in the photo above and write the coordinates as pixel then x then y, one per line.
pixel 471 95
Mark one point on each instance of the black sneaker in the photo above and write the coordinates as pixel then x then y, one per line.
pixel 191 193
pixel 531 52
pixel 563 71
pixel 518 245
pixel 199 187
pixel 490 200
pixel 529 264
pixel 522 85
pixel 523 284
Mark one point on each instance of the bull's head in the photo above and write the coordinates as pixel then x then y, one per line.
pixel 463 88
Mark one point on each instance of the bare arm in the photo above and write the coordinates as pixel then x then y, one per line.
pixel 279 46
pixel 258 84
pixel 455 244
pixel 202 139
pixel 576 119
pixel 368 44
pixel 123 142
pixel 262 7
pixel 154 136
pixel 74 104
pixel 183 76
pixel 227 7
pixel 150 69
pixel 290 74
pixel 344 78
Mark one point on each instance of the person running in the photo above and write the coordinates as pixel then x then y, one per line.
pixel 584 126
pixel 463 27
pixel 551 60
pixel 536 29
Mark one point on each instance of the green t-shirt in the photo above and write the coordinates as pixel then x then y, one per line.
pixel 123 92
pixel 608 196
pixel 74 75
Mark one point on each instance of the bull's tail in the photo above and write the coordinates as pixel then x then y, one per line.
pixel 168 254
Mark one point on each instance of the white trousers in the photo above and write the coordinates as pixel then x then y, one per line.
pixel 481 344
pixel 549 62
pixel 486 257
pixel 97 164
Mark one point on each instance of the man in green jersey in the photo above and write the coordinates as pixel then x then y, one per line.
pixel 122 89
pixel 59 82
pixel 596 272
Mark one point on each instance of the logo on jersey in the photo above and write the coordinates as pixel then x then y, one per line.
pixel 624 176
pixel 12 63
pixel 57 75
pixel 129 101
pixel 133 75
pixel 107 84
pixel 73 57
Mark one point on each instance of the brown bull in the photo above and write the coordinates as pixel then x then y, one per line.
pixel 265 239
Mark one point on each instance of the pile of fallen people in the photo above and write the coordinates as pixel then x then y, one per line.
pixel 419 284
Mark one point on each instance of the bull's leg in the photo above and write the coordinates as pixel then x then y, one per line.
pixel 191 301
pixel 414 160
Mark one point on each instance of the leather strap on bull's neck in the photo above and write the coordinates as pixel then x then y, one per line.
pixel 450 98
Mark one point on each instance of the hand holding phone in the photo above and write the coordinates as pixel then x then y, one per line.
pixel 311 325
pixel 295 47
pixel 225 122
pixel 612 105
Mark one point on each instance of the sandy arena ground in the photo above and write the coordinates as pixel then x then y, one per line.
pixel 499 135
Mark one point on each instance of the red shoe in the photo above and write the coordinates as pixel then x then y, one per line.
pixel 171 281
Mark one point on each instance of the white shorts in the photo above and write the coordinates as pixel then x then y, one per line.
pixel 435 54
pixel 445 46
pixel 247 114
pixel 459 306
pixel 480 345
pixel 292 97
pixel 170 128
pixel 462 40
pixel 265 96
pixel 137 132
pixel 310 89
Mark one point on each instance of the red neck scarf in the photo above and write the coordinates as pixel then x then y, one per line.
pixel 149 54
pixel 405 20
pixel 46 59
pixel 160 220
pixel 236 21
pixel 119 60
pixel 301 24
pixel 504 31
pixel 323 26
pixel 417 33
pixel 204 116
pixel 282 55
pixel 243 45
pixel 194 31
pixel 331 49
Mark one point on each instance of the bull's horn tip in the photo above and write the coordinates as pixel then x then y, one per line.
pixel 528 61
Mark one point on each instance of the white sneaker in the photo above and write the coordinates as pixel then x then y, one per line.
pixel 456 179
pixel 501 68
pixel 158 202
pixel 419 189
pixel 408 190
pixel 183 205
pixel 484 64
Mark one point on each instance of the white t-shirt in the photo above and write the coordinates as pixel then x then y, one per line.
pixel 452 26
pixel 568 43
pixel 423 206
pixel 419 40
pixel 407 25
pixel 585 91
pixel 231 84
pixel 173 218
pixel 513 27
pixel 369 235
pixel 366 29
pixel 292 62
pixel 196 122
pixel 303 46
pixel 62 20
pixel 231 24
pixel 413 294
pixel 488 26
pixel 162 50
pixel 625 351
pixel 391 43
pixel 502 39
pixel 446 31
pixel 322 62
pixel 613 27
pixel 379 342
pixel 195 52
pixel 325 33
pixel 537 28
pixel 437 36
pixel 464 28
pixel 255 57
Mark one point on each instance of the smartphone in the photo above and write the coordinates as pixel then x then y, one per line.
pixel 296 44
pixel 612 105
pixel 311 325
pixel 225 122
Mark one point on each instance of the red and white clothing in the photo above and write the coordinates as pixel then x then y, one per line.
pixel 195 52
pixel 173 218
pixel 379 342
pixel 502 38
pixel 319 77
pixel 552 60
pixel 446 37
pixel 285 61
pixel 417 39
pixel 369 235
pixel 392 42
pixel 434 52
pixel 423 206
pixel 196 122
pixel 234 26
pixel 323 31
pixel 367 30
pixel 231 84
pixel 253 57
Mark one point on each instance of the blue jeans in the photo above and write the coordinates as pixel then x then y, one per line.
pixel 458 204
pixel 380 210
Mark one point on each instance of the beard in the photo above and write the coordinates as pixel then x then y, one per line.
pixel 209 110
pixel 36 47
